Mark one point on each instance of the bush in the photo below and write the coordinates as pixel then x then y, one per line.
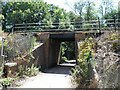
pixel 32 71
pixel 7 81
pixel 27 71
pixel 114 38
pixel 83 71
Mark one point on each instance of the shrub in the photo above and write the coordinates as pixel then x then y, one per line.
pixel 83 71
pixel 32 71
pixel 114 38
pixel 27 71
pixel 7 81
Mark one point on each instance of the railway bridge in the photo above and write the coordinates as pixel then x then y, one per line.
pixel 51 37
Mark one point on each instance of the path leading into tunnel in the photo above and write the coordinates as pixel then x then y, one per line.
pixel 57 77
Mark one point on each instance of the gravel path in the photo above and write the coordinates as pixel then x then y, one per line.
pixel 57 77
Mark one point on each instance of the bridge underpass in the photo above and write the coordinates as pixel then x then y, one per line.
pixel 48 53
pixel 56 41
pixel 58 76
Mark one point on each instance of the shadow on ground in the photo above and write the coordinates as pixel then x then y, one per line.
pixel 60 69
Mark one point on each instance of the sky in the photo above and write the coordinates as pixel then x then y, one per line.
pixel 63 4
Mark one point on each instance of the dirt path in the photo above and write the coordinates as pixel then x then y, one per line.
pixel 57 77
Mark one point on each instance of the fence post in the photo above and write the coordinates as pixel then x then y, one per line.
pixel 25 27
pixel 13 28
pixel 115 23
pixel 99 24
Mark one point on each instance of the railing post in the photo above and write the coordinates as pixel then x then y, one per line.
pixel 13 28
pixel 115 23
pixel 99 24
pixel 25 27
pixel 118 23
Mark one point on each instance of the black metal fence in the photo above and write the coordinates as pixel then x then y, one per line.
pixel 107 24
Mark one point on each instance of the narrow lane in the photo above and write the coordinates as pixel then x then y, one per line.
pixel 57 77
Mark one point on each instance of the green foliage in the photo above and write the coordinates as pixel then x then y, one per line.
pixel 79 7
pixel 63 59
pixel 87 26
pixel 21 71
pixel 7 81
pixel 90 11
pixel 5 43
pixel 1 17
pixel 32 71
pixel 111 15
pixel 41 12
pixel 115 46
pixel 82 72
pixel 85 9
pixel 16 46
pixel 32 12
pixel 115 36
pixel 27 71
pixel 33 42
pixel 106 7
pixel 68 50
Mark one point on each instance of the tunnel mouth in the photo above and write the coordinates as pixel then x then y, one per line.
pixel 59 69
pixel 67 53
pixel 61 66
pixel 56 43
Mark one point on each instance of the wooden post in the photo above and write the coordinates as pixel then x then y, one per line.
pixel 99 24
pixel 7 67
pixel 115 23
pixel 59 56
pixel 13 28
pixel 25 27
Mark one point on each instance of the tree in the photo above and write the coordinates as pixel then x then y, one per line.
pixel 111 15
pixel 35 12
pixel 79 6
pixel 119 10
pixel 105 7
pixel 90 11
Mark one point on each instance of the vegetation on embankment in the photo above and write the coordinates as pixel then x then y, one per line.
pixel 83 72
pixel 18 49
pixel 107 60
pixel 98 62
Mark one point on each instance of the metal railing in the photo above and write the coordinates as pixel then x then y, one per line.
pixel 107 24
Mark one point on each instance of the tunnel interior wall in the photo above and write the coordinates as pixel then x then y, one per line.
pixel 54 50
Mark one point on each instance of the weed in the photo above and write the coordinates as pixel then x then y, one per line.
pixel 27 71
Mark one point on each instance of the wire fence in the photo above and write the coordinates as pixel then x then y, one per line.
pixel 17 45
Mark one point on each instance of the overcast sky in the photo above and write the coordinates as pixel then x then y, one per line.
pixel 62 3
